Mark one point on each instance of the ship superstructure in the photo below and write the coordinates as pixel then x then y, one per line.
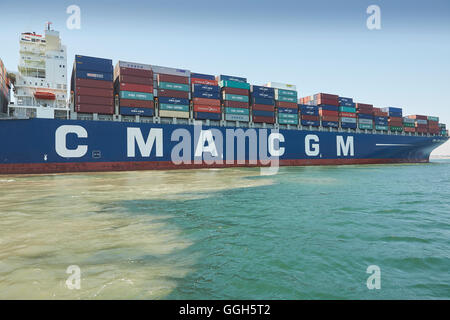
pixel 41 80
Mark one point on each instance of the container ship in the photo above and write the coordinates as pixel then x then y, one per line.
pixel 137 116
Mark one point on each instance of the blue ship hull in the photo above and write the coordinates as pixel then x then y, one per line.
pixel 51 146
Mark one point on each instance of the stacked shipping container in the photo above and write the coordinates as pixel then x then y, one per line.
pixel 134 86
pixel 395 118
pixel 365 116
pixel 205 97
pixel 347 113
pixel 409 125
pixel 173 91
pixel 420 122
pixel 263 104
pixel 235 98
pixel 380 119
pixel 285 102
pixel 433 125
pixel 92 85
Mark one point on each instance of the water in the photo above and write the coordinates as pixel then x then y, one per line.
pixel 306 233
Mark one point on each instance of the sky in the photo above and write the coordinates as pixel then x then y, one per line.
pixel 320 46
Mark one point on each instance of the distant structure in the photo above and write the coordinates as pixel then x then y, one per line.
pixel 41 80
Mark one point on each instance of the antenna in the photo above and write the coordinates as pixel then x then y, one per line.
pixel 48 24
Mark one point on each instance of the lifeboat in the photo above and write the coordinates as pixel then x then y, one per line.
pixel 44 95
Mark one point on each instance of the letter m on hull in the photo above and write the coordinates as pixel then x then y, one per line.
pixel 345 148
pixel 134 136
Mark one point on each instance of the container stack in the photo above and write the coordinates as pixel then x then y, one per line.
pixel 328 109
pixel 263 104
pixel 285 102
pixel 409 125
pixel 433 125
pixel 395 118
pixel 92 85
pixel 420 122
pixel 443 129
pixel 205 97
pixel 381 119
pixel 133 84
pixel 347 113
pixel 235 98
pixel 173 91
pixel 365 116
pixel 309 114
pixel 4 88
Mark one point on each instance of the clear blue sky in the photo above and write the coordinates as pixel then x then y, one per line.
pixel 321 46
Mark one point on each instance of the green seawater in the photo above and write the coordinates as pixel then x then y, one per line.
pixel 304 233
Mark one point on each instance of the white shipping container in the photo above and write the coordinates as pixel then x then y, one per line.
pixel 134 65
pixel 348 120
pixel 365 121
pixel 237 117
pixel 171 71
pixel 419 121
pixel 280 85
pixel 408 120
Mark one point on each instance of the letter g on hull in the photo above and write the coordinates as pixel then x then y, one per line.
pixel 61 144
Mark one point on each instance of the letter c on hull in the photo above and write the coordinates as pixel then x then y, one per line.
pixel 61 145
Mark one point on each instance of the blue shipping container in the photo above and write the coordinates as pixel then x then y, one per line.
pixel 232 78
pixel 204 87
pixel 261 113
pixel 105 62
pixel 347 125
pixel 147 112
pixel 288 110
pixel 206 95
pixel 381 118
pixel 329 108
pixel 263 90
pixel 347 104
pixel 207 116
pixel 268 102
pixel 365 116
pixel 332 124
pixel 202 76
pixel 393 109
pixel 89 66
pixel 173 100
pixel 395 114
pixel 345 100
pixel 93 75
pixel 310 123
pixel 263 95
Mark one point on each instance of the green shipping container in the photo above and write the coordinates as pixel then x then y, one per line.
pixel 433 119
pixel 173 107
pixel 287 99
pixel 394 128
pixel 411 125
pixel 288 121
pixel 365 126
pixel 347 109
pixel 235 97
pixel 237 111
pixel 174 86
pixel 287 116
pixel 382 128
pixel 136 95
pixel 286 93
pixel 234 84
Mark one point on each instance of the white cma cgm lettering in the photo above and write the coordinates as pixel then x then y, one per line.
pixel 134 136
pixel 312 149
pixel 61 145
pixel 343 148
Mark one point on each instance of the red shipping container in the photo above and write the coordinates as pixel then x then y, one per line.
pixel 330 118
pixel 235 104
pixel 263 107
pixel 347 114
pixel 310 118
pixel 396 119
pixel 204 81
pixel 260 119
pixel 173 93
pixel 283 104
pixel 328 96
pixel 418 117
pixel 206 102
pixel 89 83
pixel 171 78
pixel 135 80
pixel 362 111
pixel 136 103
pixel 242 92
pixel 202 108
pixel 135 87
pixel 135 72
pixel 89 108
pixel 83 99
pixel 423 126
pixel 95 92
pixel 363 105
pixel 409 129
pixel 379 113
pixel 329 102
pixel 329 113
